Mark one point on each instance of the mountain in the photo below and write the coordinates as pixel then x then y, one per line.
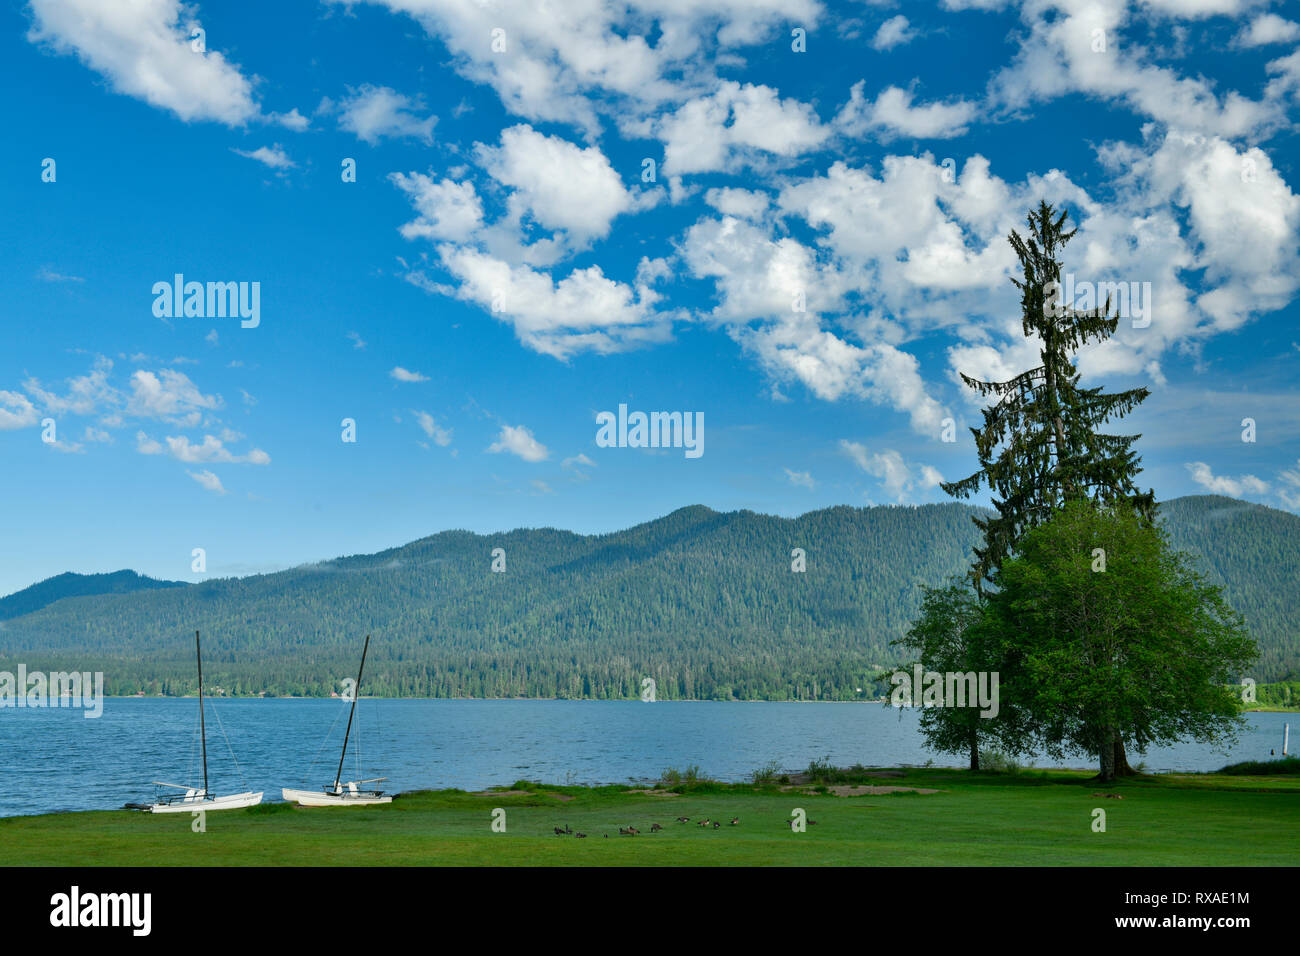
pixel 703 602
pixel 68 584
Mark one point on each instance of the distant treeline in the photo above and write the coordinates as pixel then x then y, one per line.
pixel 705 604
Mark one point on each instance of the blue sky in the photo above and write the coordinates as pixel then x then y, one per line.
pixel 505 266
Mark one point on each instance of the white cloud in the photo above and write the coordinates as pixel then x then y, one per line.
pixel 1061 54
pixel 448 210
pixel 440 435
pixel 892 115
pixel 292 120
pixel 397 373
pixel 803 479
pixel 377 112
pixel 86 394
pixel 518 440
pixel 893 32
pixel 581 58
pixel 584 311
pixel 1289 493
pixel 169 395
pixel 273 156
pixel 1265 29
pixel 144 50
pixel 888 466
pixel 212 449
pixel 761 282
pixel 1223 484
pixel 46 274
pixel 16 411
pixel 723 130
pixel 897 478
pixel 562 186
pixel 208 480
pixel 741 203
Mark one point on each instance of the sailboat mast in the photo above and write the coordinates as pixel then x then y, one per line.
pixel 203 730
pixel 356 692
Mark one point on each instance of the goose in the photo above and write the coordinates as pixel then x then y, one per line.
pixel 655 827
pixel 683 819
pixel 558 831
pixel 581 836
pixel 716 824
pixel 735 821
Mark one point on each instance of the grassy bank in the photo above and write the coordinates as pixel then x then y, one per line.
pixel 1040 818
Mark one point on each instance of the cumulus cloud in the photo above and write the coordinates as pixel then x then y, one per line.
pixel 1225 485
pixel 212 449
pixel 169 395
pixel 373 113
pixel 518 440
pixel 584 311
pixel 144 49
pixel 560 185
pixel 895 31
pixel 447 210
pixel 1265 29
pixel 725 129
pixel 892 115
pixel 1074 48
pixel 581 59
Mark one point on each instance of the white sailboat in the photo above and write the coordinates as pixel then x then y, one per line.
pixel 341 794
pixel 192 799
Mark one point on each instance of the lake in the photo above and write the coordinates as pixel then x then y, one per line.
pixel 56 759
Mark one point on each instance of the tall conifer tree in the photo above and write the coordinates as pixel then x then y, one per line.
pixel 1040 444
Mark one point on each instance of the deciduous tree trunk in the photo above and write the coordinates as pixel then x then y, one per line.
pixel 1107 758
pixel 1122 769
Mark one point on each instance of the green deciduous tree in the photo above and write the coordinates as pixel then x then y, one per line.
pixel 1118 638
pixel 951 635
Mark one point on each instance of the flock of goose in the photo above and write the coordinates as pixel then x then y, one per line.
pixel 654 827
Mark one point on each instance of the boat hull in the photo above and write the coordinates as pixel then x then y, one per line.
pixel 233 801
pixel 320 798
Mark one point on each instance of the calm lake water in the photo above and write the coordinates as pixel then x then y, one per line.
pixel 55 759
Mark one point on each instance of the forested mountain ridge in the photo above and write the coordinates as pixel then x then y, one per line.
pixel 703 602
pixel 69 584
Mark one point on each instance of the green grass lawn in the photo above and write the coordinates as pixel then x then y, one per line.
pixel 1034 818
